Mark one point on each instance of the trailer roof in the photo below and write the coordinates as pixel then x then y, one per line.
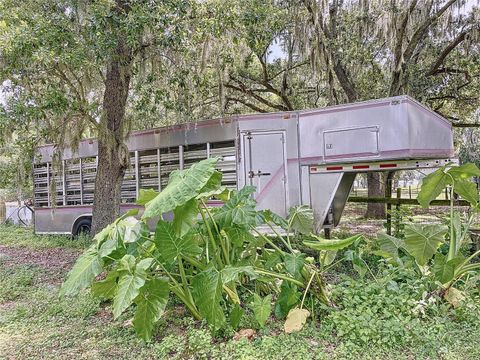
pixel 306 112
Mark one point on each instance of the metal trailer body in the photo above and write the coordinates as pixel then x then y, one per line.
pixel 306 157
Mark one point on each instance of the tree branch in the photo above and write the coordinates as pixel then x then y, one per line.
pixel 241 88
pixel 247 104
pixel 436 66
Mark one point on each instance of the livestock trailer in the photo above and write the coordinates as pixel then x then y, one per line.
pixel 306 157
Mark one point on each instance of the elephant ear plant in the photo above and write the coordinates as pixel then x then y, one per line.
pixel 206 257
pixel 423 242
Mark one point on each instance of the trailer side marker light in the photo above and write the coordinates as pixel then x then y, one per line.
pixel 382 166
pixel 313 169
pixel 334 168
pixel 355 167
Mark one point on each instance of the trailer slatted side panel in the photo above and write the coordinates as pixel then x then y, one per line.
pixel 72 182
pixel 194 153
pixel 227 164
pixel 129 184
pixel 169 161
pixel 41 184
pixel 56 182
pixel 148 163
pixel 89 172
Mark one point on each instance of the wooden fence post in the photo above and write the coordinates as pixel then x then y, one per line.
pixel 3 211
pixel 388 195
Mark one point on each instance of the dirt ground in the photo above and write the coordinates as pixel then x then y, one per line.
pixel 54 262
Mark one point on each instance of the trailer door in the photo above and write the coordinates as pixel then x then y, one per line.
pixel 265 168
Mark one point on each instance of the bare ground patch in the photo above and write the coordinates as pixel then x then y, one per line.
pixel 54 261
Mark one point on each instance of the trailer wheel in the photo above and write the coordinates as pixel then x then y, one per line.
pixel 83 226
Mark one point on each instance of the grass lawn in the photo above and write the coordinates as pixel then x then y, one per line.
pixel 36 324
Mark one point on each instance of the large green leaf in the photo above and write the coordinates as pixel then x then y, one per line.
pixel 468 190
pixel 294 263
pixel 327 257
pixel 170 245
pixel 185 217
pixel 238 235
pixel 458 233
pixel 135 230
pixel 434 183
pixel 358 263
pixel 301 219
pixel 231 273
pixel 86 268
pixel 330 244
pixel 261 307
pixel 125 230
pixel 432 186
pixel 422 241
pixel 287 299
pixel 444 270
pixel 130 282
pixel 238 210
pixel 236 315
pixel 465 171
pixel 270 216
pixel 106 288
pixel 207 292
pixel 183 186
pixel 151 303
pixel 146 196
pixel 389 247
pixel 212 187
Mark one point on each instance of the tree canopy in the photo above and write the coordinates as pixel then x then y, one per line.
pixel 190 60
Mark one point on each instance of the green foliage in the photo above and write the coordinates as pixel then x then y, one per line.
pixel 171 245
pixel 378 313
pixel 287 299
pixel 456 176
pixel 423 242
pixel 151 303
pixel 236 315
pixel 15 282
pixel 331 244
pixel 261 307
pixel 390 247
pixel 300 219
pixel 182 187
pixel 87 267
pixel 207 291
pixel 79 325
pixel 205 263
pixel 400 218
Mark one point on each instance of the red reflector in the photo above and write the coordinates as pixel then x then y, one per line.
pixel 361 166
pixel 313 169
pixel 334 167
pixel 387 165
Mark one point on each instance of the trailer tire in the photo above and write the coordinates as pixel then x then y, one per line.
pixel 82 226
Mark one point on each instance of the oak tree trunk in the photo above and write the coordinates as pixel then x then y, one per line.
pixel 375 211
pixel 113 156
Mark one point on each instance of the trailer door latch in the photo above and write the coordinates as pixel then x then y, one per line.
pixel 252 174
